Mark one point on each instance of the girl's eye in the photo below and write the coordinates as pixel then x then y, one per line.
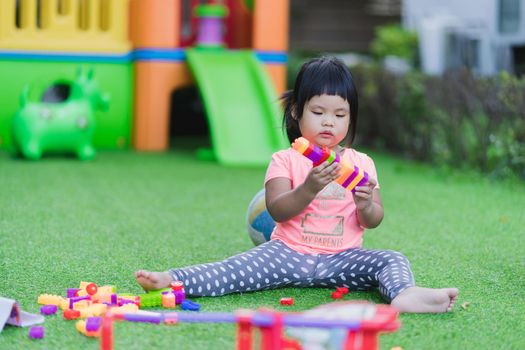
pixel 340 115
pixel 316 113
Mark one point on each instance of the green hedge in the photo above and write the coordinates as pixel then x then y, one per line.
pixel 457 120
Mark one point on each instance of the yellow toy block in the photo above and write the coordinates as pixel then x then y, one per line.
pixel 82 304
pixel 106 289
pixel 93 310
pixel 64 305
pixel 82 293
pixel 124 309
pixel 50 299
pixel 102 297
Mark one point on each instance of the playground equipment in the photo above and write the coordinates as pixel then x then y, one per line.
pixel 66 126
pixel 173 44
pixel 350 176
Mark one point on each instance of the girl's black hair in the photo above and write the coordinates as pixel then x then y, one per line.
pixel 324 75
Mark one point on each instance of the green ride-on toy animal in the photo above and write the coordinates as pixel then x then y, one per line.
pixel 63 126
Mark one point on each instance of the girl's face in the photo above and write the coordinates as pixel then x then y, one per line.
pixel 325 120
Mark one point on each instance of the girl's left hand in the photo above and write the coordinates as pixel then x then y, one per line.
pixel 363 196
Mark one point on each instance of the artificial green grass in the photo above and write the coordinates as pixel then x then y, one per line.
pixel 63 221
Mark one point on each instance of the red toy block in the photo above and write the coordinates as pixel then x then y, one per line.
pixel 337 295
pixel 177 285
pixel 342 290
pixel 286 301
pixel 70 314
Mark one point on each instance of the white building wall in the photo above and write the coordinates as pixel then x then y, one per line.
pixel 433 19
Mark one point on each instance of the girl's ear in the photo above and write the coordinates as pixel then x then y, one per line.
pixel 294 113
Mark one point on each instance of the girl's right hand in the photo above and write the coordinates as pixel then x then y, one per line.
pixel 322 175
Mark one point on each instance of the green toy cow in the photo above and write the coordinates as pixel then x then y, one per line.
pixel 67 126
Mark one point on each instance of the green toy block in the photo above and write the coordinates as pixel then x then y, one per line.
pixel 152 298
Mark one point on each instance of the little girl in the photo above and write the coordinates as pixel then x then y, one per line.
pixel 317 240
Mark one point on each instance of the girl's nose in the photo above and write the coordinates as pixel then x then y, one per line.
pixel 328 121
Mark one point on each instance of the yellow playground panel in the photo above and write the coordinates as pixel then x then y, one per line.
pixel 65 25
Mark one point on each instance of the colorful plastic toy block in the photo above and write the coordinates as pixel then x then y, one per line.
pixel 190 305
pixel 178 289
pixel 286 301
pixel 72 292
pixel 71 314
pixel 93 310
pixel 124 309
pixel 168 300
pixel 49 309
pixel 342 290
pixel 93 324
pixel 337 295
pixel 81 326
pixel 350 176
pixel 46 299
pixel 36 332
pixel 152 298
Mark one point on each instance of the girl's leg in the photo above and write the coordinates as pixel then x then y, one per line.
pixel 362 269
pixel 267 266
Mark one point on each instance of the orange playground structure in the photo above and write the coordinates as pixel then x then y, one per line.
pixel 163 30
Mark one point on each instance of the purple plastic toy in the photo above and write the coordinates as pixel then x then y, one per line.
pixel 93 324
pixel 75 299
pixel 36 332
pixel 72 292
pixel 49 309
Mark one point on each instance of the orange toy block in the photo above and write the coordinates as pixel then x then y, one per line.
pixel 168 300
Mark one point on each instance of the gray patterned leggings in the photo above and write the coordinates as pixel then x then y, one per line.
pixel 274 265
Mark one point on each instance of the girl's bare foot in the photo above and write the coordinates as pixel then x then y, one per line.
pixel 153 280
pixel 425 300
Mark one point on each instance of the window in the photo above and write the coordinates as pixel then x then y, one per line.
pixel 462 51
pixel 509 16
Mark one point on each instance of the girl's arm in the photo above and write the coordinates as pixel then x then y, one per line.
pixel 283 202
pixel 370 210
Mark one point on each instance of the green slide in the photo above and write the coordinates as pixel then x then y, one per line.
pixel 243 110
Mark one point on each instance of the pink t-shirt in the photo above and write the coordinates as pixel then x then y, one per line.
pixel 329 223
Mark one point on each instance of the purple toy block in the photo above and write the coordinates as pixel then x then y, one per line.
pixel 93 324
pixel 36 332
pixel 316 155
pixel 180 296
pixel 72 292
pixel 49 309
